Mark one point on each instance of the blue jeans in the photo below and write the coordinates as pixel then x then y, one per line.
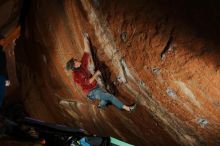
pixel 2 89
pixel 104 98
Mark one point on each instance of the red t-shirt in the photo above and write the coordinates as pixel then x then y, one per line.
pixel 82 75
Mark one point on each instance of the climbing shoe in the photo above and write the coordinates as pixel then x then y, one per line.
pixel 101 106
pixel 132 107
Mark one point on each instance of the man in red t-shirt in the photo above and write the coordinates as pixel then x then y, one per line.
pixel 87 81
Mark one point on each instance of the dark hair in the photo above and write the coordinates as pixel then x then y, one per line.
pixel 70 65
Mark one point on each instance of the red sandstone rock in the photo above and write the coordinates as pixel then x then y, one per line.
pixel 163 54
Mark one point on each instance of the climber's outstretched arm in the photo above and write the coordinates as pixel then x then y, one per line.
pixel 86 43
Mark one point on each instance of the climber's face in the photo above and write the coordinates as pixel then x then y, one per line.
pixel 77 64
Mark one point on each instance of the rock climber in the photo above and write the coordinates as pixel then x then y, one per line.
pixel 3 71
pixel 88 83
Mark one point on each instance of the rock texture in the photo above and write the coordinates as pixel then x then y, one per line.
pixel 162 54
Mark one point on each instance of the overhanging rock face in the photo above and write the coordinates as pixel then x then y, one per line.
pixel 162 55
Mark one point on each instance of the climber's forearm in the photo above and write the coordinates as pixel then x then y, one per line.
pixel 86 44
pixel 95 76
